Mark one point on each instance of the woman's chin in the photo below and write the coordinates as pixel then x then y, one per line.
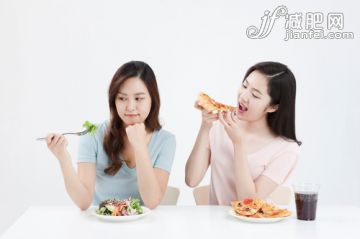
pixel 132 122
pixel 240 116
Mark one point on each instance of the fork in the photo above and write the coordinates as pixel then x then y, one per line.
pixel 74 133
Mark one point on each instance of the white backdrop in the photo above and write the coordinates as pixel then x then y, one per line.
pixel 57 59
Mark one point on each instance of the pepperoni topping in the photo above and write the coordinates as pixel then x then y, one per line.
pixel 248 201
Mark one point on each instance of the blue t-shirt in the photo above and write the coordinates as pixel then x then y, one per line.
pixel 124 183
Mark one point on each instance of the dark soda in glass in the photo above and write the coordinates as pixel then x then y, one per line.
pixel 306 205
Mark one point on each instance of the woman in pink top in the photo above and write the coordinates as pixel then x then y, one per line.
pixel 253 149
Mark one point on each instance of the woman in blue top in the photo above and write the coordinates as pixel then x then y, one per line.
pixel 129 156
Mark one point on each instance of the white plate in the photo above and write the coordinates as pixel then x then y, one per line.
pixel 146 211
pixel 256 220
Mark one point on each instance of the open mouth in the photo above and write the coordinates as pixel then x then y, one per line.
pixel 242 108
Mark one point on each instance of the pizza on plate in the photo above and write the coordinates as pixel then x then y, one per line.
pixel 258 208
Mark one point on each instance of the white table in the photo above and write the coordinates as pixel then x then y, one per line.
pixel 182 222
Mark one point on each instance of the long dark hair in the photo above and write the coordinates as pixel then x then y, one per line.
pixel 115 134
pixel 282 90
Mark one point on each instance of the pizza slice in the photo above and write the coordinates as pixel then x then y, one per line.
pixel 281 213
pixel 247 207
pixel 211 105
pixel 270 210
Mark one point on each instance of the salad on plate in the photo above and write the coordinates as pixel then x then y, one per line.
pixel 116 207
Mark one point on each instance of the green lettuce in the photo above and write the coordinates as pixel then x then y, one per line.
pixel 135 204
pixel 92 128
